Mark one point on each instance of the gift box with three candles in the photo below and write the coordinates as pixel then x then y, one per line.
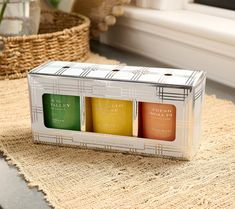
pixel 139 110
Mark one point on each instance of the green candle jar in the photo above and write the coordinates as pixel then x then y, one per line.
pixel 61 111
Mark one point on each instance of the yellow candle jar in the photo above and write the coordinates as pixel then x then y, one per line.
pixel 112 116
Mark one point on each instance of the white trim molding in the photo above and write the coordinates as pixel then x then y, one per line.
pixel 210 10
pixel 180 38
pixel 161 4
pixel 186 5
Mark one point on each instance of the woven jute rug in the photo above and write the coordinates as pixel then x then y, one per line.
pixel 74 178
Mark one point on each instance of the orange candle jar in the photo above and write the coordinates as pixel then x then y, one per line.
pixel 111 116
pixel 157 121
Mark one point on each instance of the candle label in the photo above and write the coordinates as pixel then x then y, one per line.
pixel 112 116
pixel 158 121
pixel 61 111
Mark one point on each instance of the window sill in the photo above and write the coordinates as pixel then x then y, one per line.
pixel 180 38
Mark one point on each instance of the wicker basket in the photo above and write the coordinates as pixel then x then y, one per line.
pixel 102 13
pixel 62 36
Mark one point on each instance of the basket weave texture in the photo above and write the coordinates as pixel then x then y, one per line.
pixel 62 36
pixel 102 13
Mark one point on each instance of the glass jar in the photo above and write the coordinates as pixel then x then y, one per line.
pixel 111 116
pixel 20 17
